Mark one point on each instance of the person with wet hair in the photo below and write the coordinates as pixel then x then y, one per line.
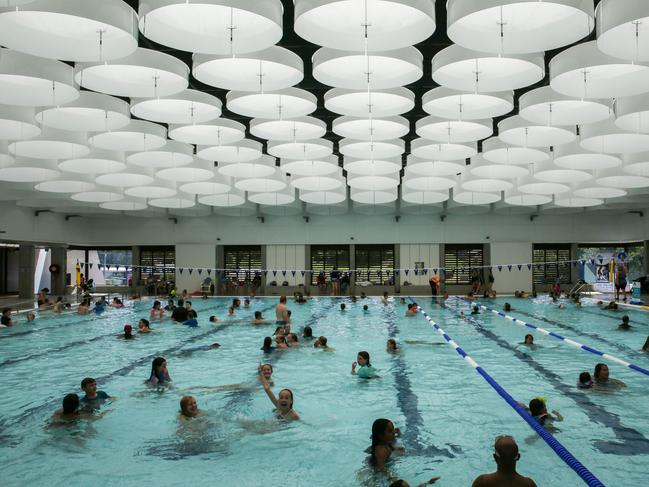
pixel 189 409
pixel 283 402
pixel 506 456
pixel 307 333
pixel 624 326
pixel 365 369
pixel 602 379
pixel 159 374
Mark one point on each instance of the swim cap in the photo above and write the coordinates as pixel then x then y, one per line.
pixel 542 399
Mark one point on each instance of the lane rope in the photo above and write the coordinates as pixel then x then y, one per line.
pixel 563 453
pixel 565 340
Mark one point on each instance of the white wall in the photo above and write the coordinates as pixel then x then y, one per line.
pixel 194 256
pixel 289 257
pixel 411 253
pixel 503 253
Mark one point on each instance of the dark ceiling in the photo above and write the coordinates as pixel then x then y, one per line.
pixel 305 50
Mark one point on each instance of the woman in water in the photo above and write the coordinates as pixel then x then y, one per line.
pixel 384 435
pixel 365 369
pixel 307 333
pixel 267 347
pixel 280 341
pixel 159 373
pixel 529 341
pixel 156 311
pixel 143 326
pixel 189 409
pixel 602 380
pixel 392 345
pixel 283 404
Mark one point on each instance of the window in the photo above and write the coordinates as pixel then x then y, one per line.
pixel 459 259
pixel 158 263
pixel 377 260
pixel 550 263
pixel 242 259
pixel 325 257
pixel 108 266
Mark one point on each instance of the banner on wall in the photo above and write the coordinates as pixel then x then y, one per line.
pixel 600 272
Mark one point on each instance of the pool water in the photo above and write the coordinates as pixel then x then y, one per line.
pixel 448 414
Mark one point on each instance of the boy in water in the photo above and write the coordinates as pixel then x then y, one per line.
pixel 93 398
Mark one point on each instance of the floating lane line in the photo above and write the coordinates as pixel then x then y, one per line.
pixel 568 341
pixel 588 477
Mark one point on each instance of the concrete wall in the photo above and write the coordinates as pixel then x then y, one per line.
pixel 289 257
pixel 506 253
pixel 194 256
pixel 593 227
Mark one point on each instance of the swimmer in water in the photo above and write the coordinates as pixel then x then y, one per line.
pixel 506 455
pixel 321 342
pixel 392 345
pixel 411 310
pixel 128 333
pixel 292 340
pixel 156 312
pixel 307 333
pixel 267 371
pixel 342 306
pixel 365 369
pixel 280 342
pixel 259 319
pixel 213 319
pixel 645 347
pixel 267 347
pixel 538 411
pixel 189 409
pixel 585 381
pixel 384 435
pixel 143 326
pixel 93 398
pixel 507 307
pixel 366 309
pixel 159 374
pixel 30 317
pixel 529 341
pixel 475 310
pixel 283 404
pixel 602 379
pixel 69 412
pixel 625 326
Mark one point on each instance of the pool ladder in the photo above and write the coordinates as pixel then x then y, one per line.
pixel 579 287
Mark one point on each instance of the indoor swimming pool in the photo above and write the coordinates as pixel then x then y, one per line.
pixel 449 416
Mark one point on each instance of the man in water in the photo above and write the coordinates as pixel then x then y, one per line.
pixel 93 398
pixel 281 312
pixel 506 455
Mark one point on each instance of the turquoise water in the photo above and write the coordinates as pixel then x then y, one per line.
pixel 448 414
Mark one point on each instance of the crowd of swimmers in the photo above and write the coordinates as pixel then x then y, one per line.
pixel 384 433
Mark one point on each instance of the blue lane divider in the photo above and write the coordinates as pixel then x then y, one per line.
pixel 585 474
pixel 563 339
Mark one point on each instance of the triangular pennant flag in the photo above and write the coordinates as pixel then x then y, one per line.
pixel 274 273
pixel 490 268
pixel 425 271
pixel 601 260
pixel 284 273
pixel 435 271
pixel 191 269
pixel 520 266
pixel 265 273
pixel 396 272
pixel 592 261
pixel 293 273
pixel 90 265
pixel 574 263
pixel 405 271
pixel 387 273
pixel 181 270
pixel 582 262
pixel 529 267
pixel 379 273
pixel 500 268
pixel 509 267
pixel 302 272
pixel 200 272
pixel 416 271
pixel 368 275
pixel 209 272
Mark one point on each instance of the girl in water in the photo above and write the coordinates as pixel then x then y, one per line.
pixel 156 311
pixel 283 404
pixel 365 369
pixel 189 409
pixel 392 345
pixel 384 435
pixel 267 371
pixel 159 373
pixel 280 341
pixel 267 347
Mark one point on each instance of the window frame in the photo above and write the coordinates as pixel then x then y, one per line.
pixel 250 264
pixel 325 264
pixel 457 277
pixel 377 270
pixel 540 268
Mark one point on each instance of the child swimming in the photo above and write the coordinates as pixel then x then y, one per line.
pixel 159 373
pixel 365 371
pixel 189 409
pixel 283 404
